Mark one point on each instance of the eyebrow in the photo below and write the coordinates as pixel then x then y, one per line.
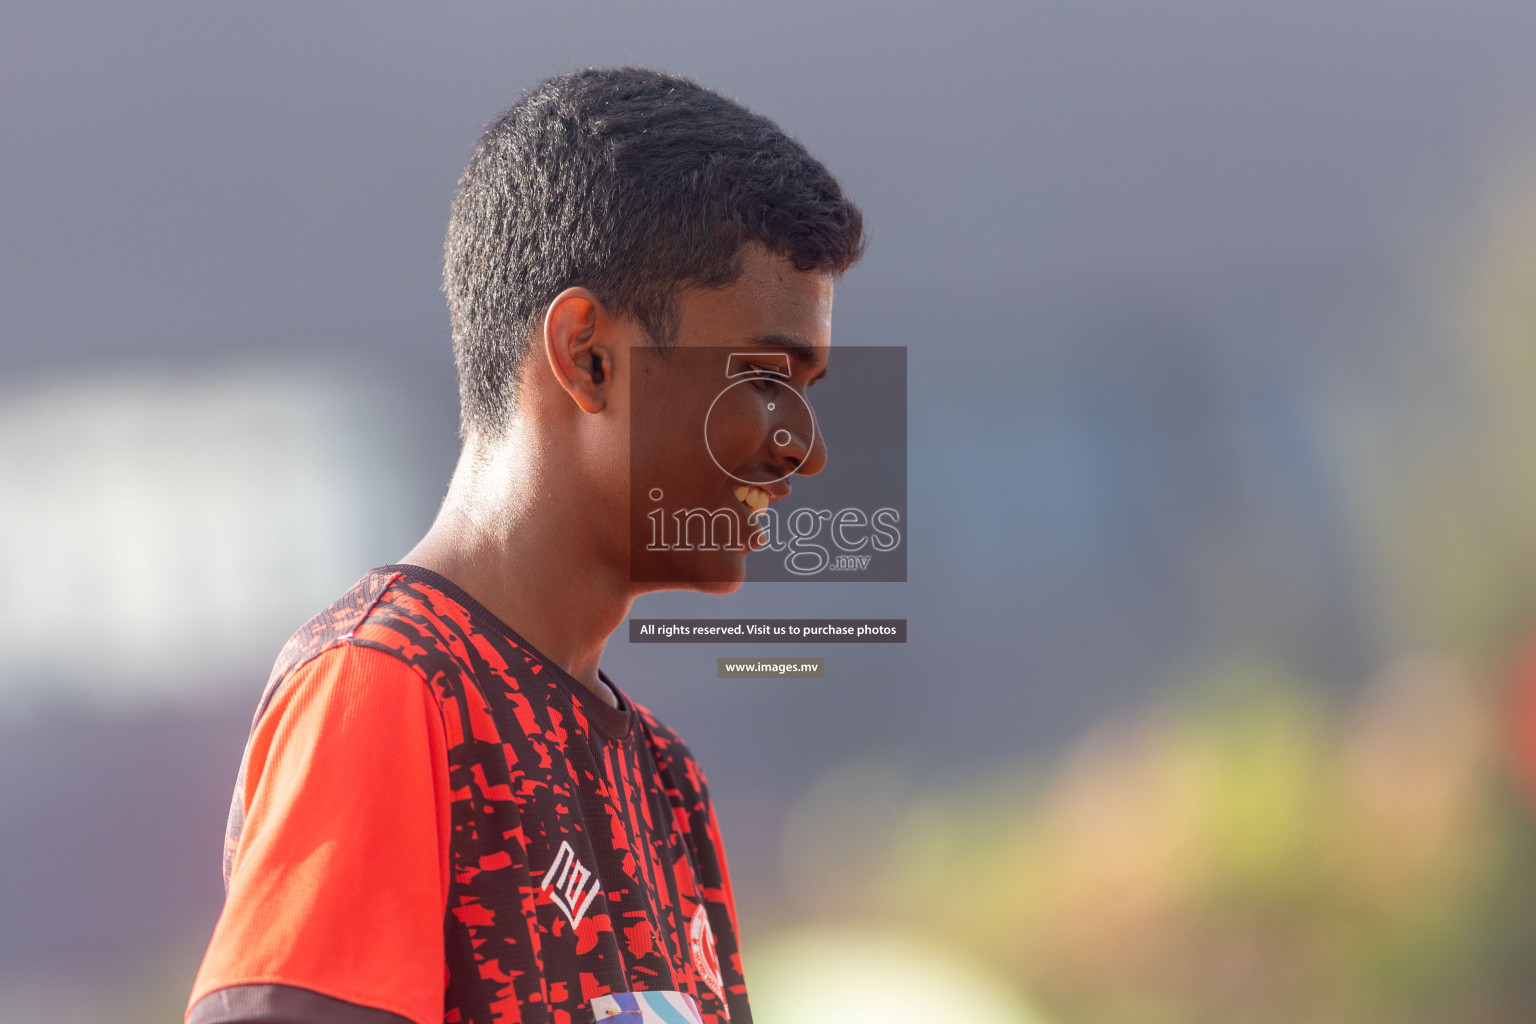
pixel 798 349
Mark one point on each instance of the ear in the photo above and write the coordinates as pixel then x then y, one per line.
pixel 579 345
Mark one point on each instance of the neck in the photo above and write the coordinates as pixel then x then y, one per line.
pixel 506 535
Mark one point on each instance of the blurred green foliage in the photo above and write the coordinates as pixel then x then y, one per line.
pixel 1246 852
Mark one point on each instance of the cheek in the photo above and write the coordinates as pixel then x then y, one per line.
pixel 606 453
pixel 736 425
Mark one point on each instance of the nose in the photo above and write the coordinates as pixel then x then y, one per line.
pixel 804 456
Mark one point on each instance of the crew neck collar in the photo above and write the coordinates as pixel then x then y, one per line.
pixel 613 722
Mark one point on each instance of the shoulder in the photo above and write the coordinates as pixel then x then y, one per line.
pixel 387 611
pixel 327 629
pixel 333 689
pixel 334 624
pixel 348 721
pixel 349 704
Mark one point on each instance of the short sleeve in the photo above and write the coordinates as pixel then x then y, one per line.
pixel 339 883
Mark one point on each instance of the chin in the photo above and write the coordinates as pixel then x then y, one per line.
pixel 722 578
pixel 719 576
pixel 721 587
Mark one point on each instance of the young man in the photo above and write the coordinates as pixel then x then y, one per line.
pixel 446 811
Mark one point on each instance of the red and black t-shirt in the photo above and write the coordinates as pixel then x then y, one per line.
pixel 434 823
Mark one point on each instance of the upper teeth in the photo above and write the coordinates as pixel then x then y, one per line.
pixel 754 498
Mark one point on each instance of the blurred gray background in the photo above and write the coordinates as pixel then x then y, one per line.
pixel 1207 310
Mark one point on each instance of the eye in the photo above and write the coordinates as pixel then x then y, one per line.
pixel 764 378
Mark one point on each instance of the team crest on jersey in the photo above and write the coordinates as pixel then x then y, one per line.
pixel 701 941
pixel 566 882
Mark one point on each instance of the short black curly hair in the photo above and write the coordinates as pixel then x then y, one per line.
pixel 632 183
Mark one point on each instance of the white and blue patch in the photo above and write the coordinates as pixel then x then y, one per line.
pixel 646 1008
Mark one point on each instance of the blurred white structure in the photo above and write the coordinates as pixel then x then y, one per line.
pixel 161 534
